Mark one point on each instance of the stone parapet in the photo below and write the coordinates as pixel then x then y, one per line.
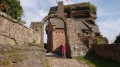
pixel 11 19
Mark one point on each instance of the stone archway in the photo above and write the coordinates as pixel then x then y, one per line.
pixel 52 47
pixel 53 16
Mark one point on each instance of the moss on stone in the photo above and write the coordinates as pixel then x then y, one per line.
pixel 47 62
pixel 6 62
pixel 101 40
pixel 16 57
pixel 81 6
pixel 93 8
pixel 10 57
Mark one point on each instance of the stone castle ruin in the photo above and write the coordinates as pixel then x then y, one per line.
pixel 73 25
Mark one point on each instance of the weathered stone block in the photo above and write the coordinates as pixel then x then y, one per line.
pixel 6 41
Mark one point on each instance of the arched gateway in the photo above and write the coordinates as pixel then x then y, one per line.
pixel 56 33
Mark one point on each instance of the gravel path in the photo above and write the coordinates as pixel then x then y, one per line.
pixel 57 61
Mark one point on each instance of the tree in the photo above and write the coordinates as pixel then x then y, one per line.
pixel 12 8
pixel 117 40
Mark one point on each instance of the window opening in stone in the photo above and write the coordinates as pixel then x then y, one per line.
pixel 59 31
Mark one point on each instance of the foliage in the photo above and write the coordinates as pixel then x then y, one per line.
pixel 86 6
pixel 13 56
pixel 101 40
pixel 6 62
pixel 23 22
pixel 12 8
pixel 97 61
pixel 93 8
pixel 37 29
pixel 82 6
pixel 117 40
pixel 47 62
pixel 33 43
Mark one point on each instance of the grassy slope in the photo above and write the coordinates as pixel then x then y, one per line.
pixel 97 61
pixel 47 62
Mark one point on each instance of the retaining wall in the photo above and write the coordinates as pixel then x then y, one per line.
pixel 13 32
pixel 110 51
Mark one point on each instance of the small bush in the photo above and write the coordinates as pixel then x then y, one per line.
pixel 117 40
pixel 93 8
pixel 100 40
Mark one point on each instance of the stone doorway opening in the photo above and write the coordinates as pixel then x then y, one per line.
pixel 45 36
pixel 55 31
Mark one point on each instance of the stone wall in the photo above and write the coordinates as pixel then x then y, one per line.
pixel 38 27
pixel 76 44
pixel 49 30
pixel 13 32
pixel 111 51
pixel 58 40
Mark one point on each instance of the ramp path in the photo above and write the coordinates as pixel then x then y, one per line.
pixel 57 61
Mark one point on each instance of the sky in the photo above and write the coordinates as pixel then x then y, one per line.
pixel 108 14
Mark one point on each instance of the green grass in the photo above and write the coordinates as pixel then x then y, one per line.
pixel 15 55
pixel 12 56
pixel 97 61
pixel 47 63
pixel 6 62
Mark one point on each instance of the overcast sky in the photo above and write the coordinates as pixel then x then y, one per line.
pixel 108 13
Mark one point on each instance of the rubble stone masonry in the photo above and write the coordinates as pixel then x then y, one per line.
pixel 13 32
